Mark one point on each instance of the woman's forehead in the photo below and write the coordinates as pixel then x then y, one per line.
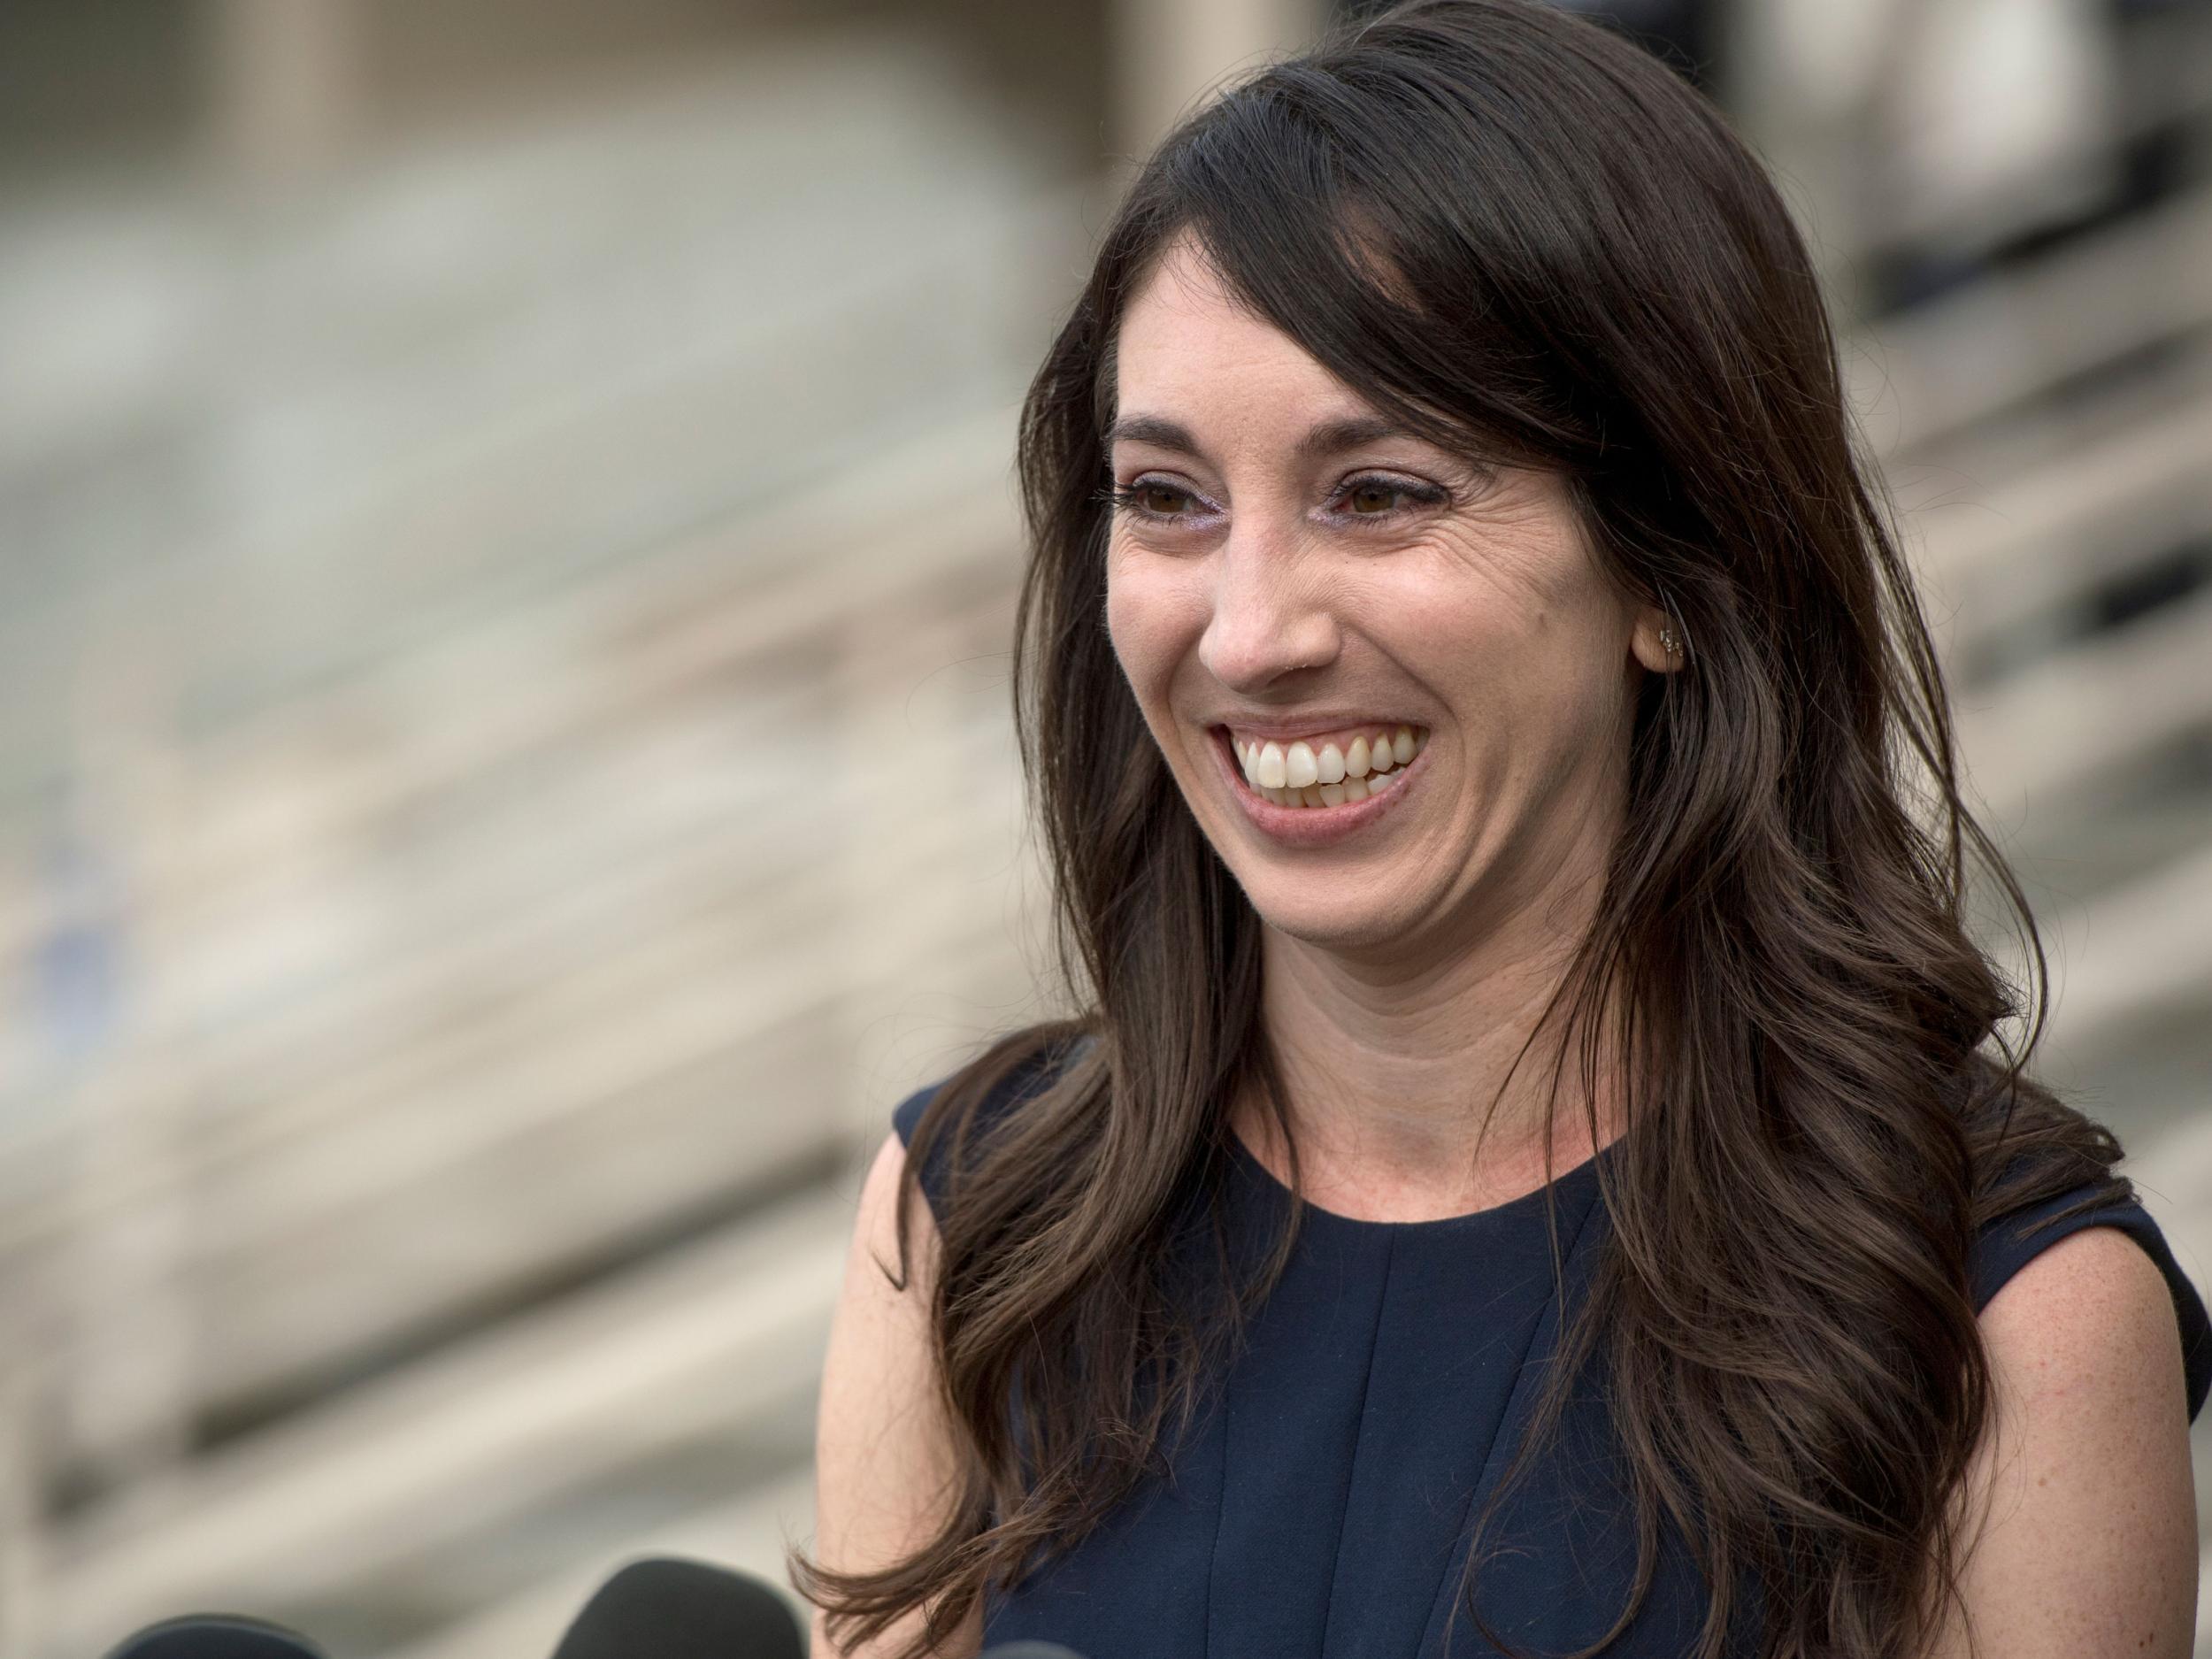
pixel 1190 350
pixel 1191 357
pixel 1185 300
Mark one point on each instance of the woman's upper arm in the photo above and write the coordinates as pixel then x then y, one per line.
pixel 2081 1531
pixel 883 1464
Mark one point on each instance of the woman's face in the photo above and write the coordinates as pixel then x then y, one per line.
pixel 1288 580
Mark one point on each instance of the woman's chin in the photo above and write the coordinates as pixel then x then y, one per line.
pixel 1341 926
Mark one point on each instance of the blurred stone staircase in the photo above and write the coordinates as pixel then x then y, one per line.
pixel 556 811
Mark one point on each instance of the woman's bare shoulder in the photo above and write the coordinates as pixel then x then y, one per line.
pixel 884 1461
pixel 2083 1517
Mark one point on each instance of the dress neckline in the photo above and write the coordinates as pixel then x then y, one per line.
pixel 1566 1184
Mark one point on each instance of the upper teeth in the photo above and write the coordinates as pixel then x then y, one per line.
pixel 1300 774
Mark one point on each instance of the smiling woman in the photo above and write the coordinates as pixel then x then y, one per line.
pixel 1290 568
pixel 1540 1166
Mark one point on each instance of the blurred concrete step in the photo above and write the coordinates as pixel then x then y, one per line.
pixel 465 1441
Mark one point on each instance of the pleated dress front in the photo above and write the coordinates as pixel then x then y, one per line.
pixel 1322 1504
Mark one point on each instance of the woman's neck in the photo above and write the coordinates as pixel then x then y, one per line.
pixel 1392 1072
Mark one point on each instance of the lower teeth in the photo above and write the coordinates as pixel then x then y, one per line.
pixel 1350 790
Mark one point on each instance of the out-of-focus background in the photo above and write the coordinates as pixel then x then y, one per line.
pixel 506 562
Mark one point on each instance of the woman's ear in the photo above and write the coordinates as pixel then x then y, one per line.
pixel 1654 630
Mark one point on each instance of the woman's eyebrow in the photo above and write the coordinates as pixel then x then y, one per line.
pixel 1330 437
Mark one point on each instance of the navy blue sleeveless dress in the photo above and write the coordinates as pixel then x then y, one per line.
pixel 1323 1507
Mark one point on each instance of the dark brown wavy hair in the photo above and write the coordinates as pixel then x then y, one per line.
pixel 1518 234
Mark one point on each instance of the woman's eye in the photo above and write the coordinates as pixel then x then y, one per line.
pixel 1380 497
pixel 1147 498
pixel 1362 498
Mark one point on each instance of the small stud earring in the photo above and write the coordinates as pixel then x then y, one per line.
pixel 1673 646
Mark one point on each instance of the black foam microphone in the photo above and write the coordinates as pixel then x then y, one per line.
pixel 216 1636
pixel 683 1610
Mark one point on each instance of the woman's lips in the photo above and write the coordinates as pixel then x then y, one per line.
pixel 1329 769
pixel 1315 825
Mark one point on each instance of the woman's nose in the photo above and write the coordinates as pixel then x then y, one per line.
pixel 1271 616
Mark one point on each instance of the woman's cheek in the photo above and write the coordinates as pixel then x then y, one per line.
pixel 1147 612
